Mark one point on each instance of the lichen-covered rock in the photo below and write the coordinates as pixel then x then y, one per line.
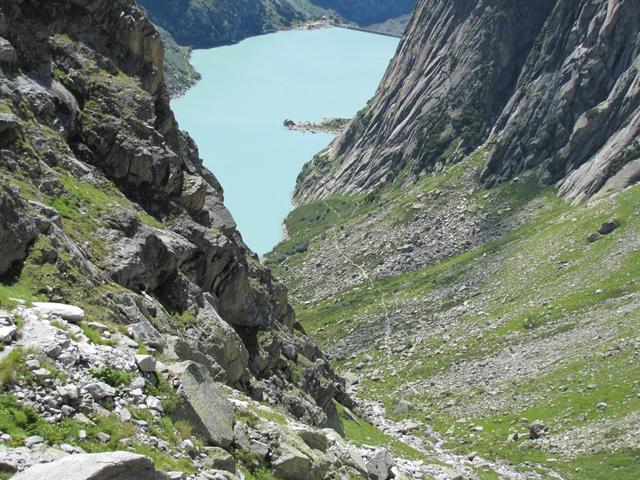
pixel 203 404
pixel 380 464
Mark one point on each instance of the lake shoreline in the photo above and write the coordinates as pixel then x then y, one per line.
pixel 252 87
pixel 310 25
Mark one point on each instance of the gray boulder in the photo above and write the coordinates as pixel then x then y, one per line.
pixel 538 429
pixel 67 312
pixel 219 459
pixel 8 128
pixel 292 464
pixel 100 390
pixel 609 226
pixel 203 404
pixel 216 338
pixel 146 363
pixel 379 466
pixel 7 333
pixel 146 333
pixel 95 466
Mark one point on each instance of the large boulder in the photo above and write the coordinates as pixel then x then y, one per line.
pixel 203 404
pixel 379 466
pixel 70 313
pixel 9 128
pixel 95 466
pixel 292 464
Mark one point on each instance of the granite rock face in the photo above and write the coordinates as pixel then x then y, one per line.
pixel 547 85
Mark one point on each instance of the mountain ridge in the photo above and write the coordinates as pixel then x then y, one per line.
pixel 415 132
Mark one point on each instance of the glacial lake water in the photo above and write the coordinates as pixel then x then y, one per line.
pixel 236 113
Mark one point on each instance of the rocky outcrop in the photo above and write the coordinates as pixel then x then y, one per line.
pixel 17 231
pixel 548 85
pixel 95 466
pixel 113 210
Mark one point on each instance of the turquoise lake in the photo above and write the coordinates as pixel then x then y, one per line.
pixel 236 113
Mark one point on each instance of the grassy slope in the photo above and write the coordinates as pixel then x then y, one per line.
pixel 540 283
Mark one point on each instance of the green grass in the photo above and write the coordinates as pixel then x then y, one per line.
pixel 13 368
pixel 362 432
pixel 163 461
pixel 95 336
pixel 538 280
pixel 21 421
pixel 621 465
pixel 257 473
pixel 112 376
pixel 166 393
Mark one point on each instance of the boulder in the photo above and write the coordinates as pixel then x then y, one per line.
pixel 538 429
pixel 146 363
pixel 154 403
pixel 402 407
pixel 313 438
pixel 100 390
pixel 593 237
pixel 203 404
pixel 379 466
pixel 609 226
pixel 219 459
pixel 67 312
pixel 33 440
pixel 292 464
pixel 146 333
pixel 9 128
pixel 8 333
pixel 217 339
pixel 95 466
pixel 8 54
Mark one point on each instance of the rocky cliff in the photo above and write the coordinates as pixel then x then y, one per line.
pixel 550 85
pixel 105 205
